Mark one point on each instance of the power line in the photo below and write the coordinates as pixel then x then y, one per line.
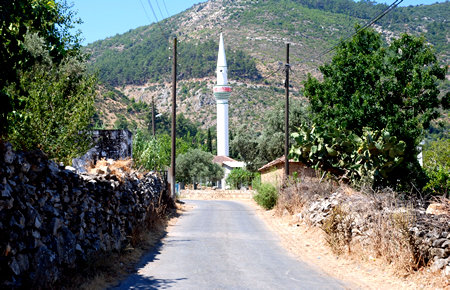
pixel 145 10
pixel 157 21
pixel 165 7
pixel 365 26
pixel 378 17
pixel 159 8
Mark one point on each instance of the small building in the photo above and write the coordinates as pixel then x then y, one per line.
pixel 106 144
pixel 273 172
pixel 227 164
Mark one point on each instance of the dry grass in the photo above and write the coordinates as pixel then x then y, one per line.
pixel 301 192
pixel 338 228
pixel 364 223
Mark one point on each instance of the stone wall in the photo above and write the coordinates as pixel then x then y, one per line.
pixel 53 220
pixel 108 144
pixel 428 235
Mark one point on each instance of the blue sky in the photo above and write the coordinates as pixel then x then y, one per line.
pixel 104 18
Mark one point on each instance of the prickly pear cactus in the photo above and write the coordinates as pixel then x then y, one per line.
pixel 341 152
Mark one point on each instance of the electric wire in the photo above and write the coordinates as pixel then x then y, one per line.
pixel 145 11
pixel 368 24
pixel 365 26
pixel 159 8
pixel 157 21
pixel 165 7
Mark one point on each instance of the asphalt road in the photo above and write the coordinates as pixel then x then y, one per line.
pixel 223 245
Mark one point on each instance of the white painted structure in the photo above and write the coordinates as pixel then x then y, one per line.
pixel 222 93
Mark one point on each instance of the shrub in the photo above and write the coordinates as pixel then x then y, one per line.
pixel 267 195
pixel 436 161
pixel 240 177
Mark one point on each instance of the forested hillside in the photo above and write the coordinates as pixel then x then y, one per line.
pixel 137 63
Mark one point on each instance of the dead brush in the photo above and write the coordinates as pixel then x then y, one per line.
pixel 390 238
pixel 301 192
pixel 338 228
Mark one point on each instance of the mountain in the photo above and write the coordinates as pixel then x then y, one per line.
pixel 137 63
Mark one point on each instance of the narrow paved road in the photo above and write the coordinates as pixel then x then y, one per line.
pixel 223 245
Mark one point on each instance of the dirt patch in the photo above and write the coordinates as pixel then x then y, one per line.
pixel 308 244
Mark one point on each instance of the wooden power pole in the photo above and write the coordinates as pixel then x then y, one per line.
pixel 153 117
pixel 174 117
pixel 286 117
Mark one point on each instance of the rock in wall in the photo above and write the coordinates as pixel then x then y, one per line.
pixel 108 144
pixel 428 234
pixel 53 220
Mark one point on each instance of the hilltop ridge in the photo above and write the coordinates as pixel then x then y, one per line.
pixel 137 63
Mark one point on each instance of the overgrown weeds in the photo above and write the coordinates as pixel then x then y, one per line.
pixel 301 192
pixel 338 228
pixel 364 223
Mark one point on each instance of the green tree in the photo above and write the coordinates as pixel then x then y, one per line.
pixel 271 141
pixel 245 144
pixel 196 165
pixel 209 141
pixel 21 19
pixel 238 177
pixel 47 98
pixel 393 88
pixel 436 162
pixel 121 123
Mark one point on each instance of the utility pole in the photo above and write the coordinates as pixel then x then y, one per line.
pixel 286 116
pixel 174 118
pixel 153 116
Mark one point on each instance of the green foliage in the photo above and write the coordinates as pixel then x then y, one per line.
pixel 245 144
pixel 153 153
pixel 391 89
pixel 257 149
pixel 47 98
pixel 121 123
pixel 150 153
pixel 369 158
pixel 436 162
pixel 240 177
pixel 47 26
pixel 148 60
pixel 267 195
pixel 196 165
pixel 271 141
pixel 209 142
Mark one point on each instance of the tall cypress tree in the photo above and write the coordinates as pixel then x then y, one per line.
pixel 209 141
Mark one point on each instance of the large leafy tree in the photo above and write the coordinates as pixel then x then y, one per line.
pixel 196 165
pixel 47 99
pixel 393 87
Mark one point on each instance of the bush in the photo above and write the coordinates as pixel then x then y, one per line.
pixel 267 195
pixel 436 158
pixel 240 177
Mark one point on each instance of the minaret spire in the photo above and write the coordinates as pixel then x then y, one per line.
pixel 222 93
pixel 222 69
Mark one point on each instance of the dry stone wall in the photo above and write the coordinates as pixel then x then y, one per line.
pixel 428 234
pixel 108 144
pixel 54 220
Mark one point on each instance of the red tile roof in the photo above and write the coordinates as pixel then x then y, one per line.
pixel 275 162
pixel 221 159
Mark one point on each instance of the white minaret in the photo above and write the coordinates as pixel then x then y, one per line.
pixel 222 93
